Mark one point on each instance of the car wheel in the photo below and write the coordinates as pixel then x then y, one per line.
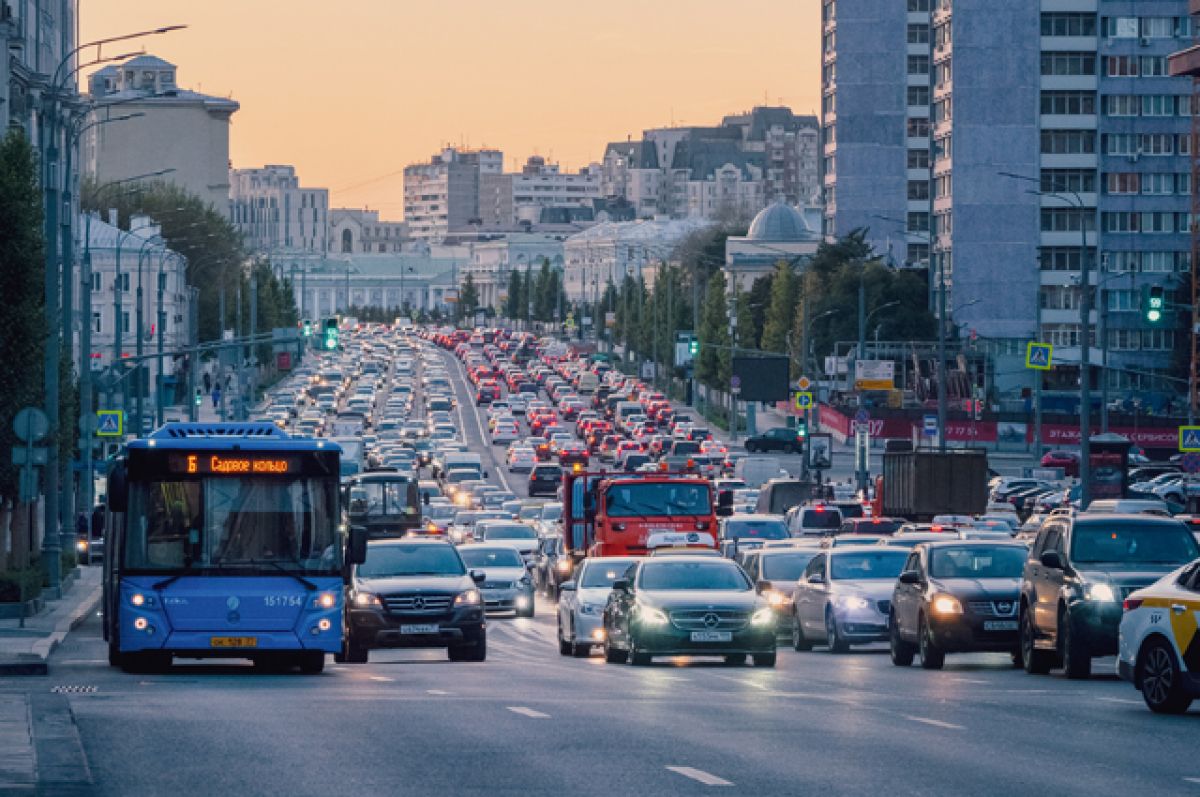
pixel 902 652
pixel 764 659
pixel 833 639
pixel 1162 682
pixel 475 652
pixel 527 612
pixel 145 663
pixel 735 659
pixel 751 448
pixel 799 641
pixel 932 657
pixel 581 650
pixel 613 655
pixel 355 654
pixel 789 449
pixel 1076 658
pixel 1036 661
pixel 564 647
pixel 1016 657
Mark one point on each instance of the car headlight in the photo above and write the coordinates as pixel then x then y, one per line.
pixel 652 616
pixel 947 604
pixel 1099 592
pixel 525 580
pixel 763 616
pixel 778 599
pixel 468 598
pixel 366 600
pixel 563 565
pixel 81 545
pixel 853 601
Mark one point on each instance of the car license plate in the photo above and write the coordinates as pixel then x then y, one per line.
pixel 712 636
pixel 419 629
pixel 999 625
pixel 233 642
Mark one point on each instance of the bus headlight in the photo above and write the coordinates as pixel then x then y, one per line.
pixel 326 600
pixel 138 599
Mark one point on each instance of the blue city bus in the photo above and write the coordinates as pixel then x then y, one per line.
pixel 225 540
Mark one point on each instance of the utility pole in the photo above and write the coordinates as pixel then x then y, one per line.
pixel 862 312
pixel 51 534
pixel 86 413
pixel 241 356
pixel 941 349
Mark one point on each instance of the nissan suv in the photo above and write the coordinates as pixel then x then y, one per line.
pixel 415 593
pixel 1080 569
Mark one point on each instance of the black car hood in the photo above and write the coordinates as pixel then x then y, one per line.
pixel 435 584
pixel 746 600
pixel 1125 575
pixel 988 589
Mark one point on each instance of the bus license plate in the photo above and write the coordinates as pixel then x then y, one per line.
pixel 234 642
pixel 712 636
pixel 999 625
pixel 419 629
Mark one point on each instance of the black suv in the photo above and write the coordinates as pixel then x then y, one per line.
pixel 415 593
pixel 1079 571
pixel 780 438
pixel 544 479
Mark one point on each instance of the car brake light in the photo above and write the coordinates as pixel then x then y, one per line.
pixel 819 509
pixel 1129 604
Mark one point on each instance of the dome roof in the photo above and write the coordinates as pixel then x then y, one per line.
pixel 779 222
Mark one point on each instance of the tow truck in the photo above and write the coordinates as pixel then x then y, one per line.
pixel 626 513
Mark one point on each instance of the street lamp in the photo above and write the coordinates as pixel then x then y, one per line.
pixel 1074 200
pixel 867 321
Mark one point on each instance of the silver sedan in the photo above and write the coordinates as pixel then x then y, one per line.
pixel 581 603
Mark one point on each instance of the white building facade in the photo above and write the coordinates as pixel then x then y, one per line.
pixel 354 231
pixel 611 251
pixel 443 194
pixel 274 213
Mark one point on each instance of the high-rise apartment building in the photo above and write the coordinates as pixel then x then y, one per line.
pixel 443 194
pixel 275 213
pixel 1011 143
pixel 509 198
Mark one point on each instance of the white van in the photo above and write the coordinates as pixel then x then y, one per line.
pixel 588 382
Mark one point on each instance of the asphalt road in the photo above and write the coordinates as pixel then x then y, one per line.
pixel 529 722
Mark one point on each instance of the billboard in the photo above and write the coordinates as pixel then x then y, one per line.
pixel 762 378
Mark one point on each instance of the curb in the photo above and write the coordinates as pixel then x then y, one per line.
pixel 35 663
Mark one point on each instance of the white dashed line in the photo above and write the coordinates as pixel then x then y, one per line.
pixel 382 678
pixel 935 723
pixel 969 681
pixel 1122 700
pixel 525 711
pixel 1193 780
pixel 708 779
pixel 437 692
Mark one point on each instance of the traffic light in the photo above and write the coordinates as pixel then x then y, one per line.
pixel 694 346
pixel 801 428
pixel 198 399
pixel 1154 303
pixel 307 327
pixel 330 328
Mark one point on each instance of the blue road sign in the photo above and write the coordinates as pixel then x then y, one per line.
pixel 1189 438
pixel 862 416
pixel 109 423
pixel 1039 356
pixel 1190 462
pixel 930 427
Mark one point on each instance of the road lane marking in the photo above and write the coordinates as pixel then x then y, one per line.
pixel 1193 780
pixel 1123 700
pixel 935 723
pixel 525 711
pixel 707 778
pixel 438 692
pixel 382 678
pixel 969 681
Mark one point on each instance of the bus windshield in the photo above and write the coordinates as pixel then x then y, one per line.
pixel 220 523
pixel 383 499
pixel 657 498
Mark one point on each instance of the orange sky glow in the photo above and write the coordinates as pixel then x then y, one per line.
pixel 351 92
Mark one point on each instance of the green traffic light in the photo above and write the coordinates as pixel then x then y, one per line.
pixel 1154 316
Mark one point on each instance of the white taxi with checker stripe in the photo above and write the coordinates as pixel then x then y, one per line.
pixel 1159 648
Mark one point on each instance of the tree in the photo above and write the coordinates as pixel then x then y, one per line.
pixel 22 274
pixel 713 364
pixel 468 297
pixel 515 304
pixel 781 311
pixel 759 299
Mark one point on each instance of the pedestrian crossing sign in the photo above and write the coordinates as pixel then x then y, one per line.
pixel 1039 356
pixel 109 423
pixel 1189 438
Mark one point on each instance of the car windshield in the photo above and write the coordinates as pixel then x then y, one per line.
pixel 552 512
pixel 1131 542
pixel 716 575
pixel 658 498
pixel 514 532
pixel 786 566
pixel 977 561
pixel 820 519
pixel 867 565
pixel 756 529
pixel 377 499
pixel 598 574
pixel 491 557
pixel 387 561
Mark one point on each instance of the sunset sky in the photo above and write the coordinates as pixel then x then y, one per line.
pixel 351 92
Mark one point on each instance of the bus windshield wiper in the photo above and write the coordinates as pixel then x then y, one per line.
pixel 166 582
pixel 308 585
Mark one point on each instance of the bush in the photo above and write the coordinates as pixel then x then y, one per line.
pixel 20 585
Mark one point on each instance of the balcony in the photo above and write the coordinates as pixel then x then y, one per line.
pixel 1186 62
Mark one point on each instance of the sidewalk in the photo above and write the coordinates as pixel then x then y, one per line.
pixel 24 651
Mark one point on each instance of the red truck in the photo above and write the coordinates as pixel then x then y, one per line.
pixel 630 514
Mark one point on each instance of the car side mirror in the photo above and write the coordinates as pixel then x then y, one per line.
pixel 425 499
pixel 567 586
pixel 118 488
pixel 621 585
pixel 486 475
pixel 478 576
pixel 1053 560
pixel 356 552
pixel 910 577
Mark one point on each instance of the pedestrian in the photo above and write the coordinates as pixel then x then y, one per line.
pixel 207 382
pixel 216 397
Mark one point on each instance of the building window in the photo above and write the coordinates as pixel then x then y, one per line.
pixel 97 321
pixel 347 242
pixel 918 159
pixel 1067 220
pixel 1079 180
pixel 918 33
pixel 918 189
pixel 917 127
pixel 1068 103
pixel 1122 105
pixel 1123 183
pixel 1120 66
pixel 1063 24
pixel 1059 258
pixel 1068 63
pixel 124 322
pixel 918 96
pixel 918 65
pixel 1068 142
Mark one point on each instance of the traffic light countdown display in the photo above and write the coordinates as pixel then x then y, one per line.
pixel 330 334
pixel 1154 303
pixel 694 347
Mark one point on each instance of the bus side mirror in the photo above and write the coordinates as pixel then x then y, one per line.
pixel 118 488
pixel 356 552
pixel 725 503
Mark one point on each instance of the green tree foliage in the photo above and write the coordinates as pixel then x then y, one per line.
pixel 758 299
pixel 781 310
pixel 713 363
pixel 515 305
pixel 198 231
pixel 468 297
pixel 547 291
pixel 22 274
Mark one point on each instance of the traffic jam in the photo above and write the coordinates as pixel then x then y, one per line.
pixel 501 475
